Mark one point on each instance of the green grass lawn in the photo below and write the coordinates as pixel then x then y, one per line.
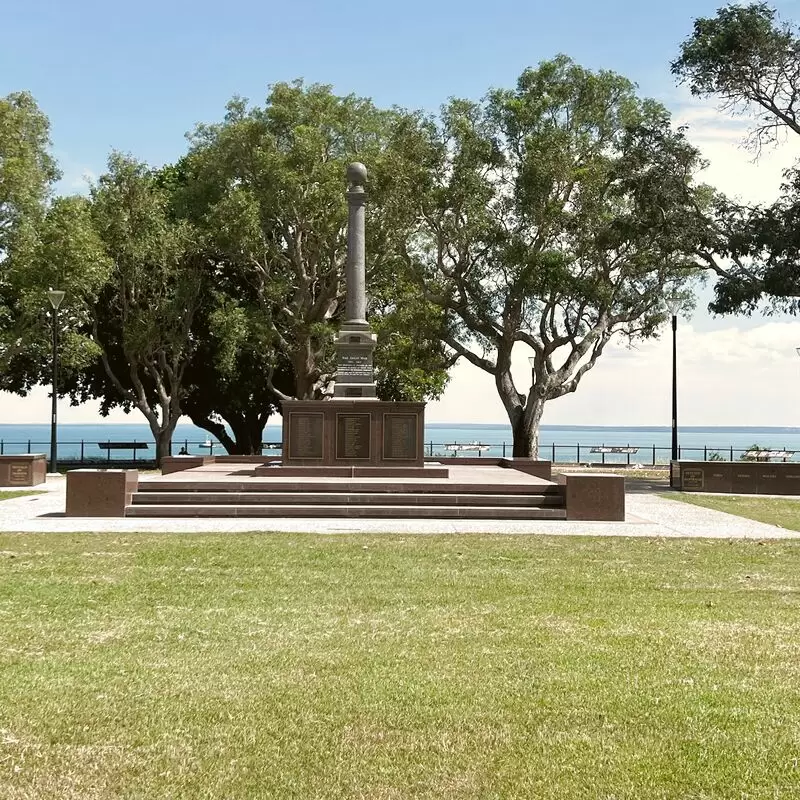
pixel 10 494
pixel 784 512
pixel 291 666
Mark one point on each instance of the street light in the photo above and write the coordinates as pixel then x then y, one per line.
pixel 674 306
pixel 55 296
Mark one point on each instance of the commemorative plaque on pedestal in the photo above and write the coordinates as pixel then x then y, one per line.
pixel 353 432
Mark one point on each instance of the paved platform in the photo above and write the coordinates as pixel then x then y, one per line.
pixel 649 514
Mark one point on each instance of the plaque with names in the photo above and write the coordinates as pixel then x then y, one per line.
pixel 353 437
pixel 692 479
pixel 305 435
pixel 20 473
pixel 400 436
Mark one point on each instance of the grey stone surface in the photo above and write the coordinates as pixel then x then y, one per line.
pixel 355 344
pixel 650 515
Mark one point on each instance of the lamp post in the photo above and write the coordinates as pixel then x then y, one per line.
pixel 55 296
pixel 674 306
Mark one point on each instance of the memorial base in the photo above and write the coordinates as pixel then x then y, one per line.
pixel 353 433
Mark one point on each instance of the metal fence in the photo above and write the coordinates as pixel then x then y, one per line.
pixel 143 452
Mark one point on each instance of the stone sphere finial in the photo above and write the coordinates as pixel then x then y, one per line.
pixel 356 174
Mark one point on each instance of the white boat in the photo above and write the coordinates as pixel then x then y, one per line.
pixel 473 447
pixel 208 444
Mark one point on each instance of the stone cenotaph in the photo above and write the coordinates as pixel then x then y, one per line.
pixel 354 429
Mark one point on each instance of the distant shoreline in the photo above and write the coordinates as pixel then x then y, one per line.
pixel 482 425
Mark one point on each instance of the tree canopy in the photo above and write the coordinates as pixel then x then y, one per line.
pixel 27 173
pixel 749 59
pixel 557 214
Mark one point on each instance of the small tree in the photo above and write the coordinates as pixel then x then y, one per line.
pixel 143 319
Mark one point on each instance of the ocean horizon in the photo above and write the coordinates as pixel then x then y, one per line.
pixel 646 444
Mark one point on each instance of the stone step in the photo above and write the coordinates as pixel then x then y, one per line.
pixel 350 498
pixel 349 487
pixel 346 511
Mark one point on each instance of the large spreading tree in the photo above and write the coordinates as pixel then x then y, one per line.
pixel 555 216
pixel 748 59
pixel 140 318
pixel 267 186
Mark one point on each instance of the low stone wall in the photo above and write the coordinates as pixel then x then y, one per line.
pixel 594 496
pixel 100 492
pixel 539 468
pixel 530 466
pixel 735 477
pixel 170 464
pixel 27 469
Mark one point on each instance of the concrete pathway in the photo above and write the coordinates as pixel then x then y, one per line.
pixel 649 514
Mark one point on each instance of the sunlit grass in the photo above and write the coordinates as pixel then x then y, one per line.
pixel 299 666
pixel 10 494
pixel 784 512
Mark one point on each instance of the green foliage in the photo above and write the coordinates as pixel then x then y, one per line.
pixel 134 281
pixel 559 214
pixel 749 59
pixel 267 188
pixel 27 172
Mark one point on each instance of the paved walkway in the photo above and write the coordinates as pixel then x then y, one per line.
pixel 649 514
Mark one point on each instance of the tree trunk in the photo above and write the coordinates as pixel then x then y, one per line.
pixel 525 428
pixel 162 433
pixel 164 444
pixel 247 429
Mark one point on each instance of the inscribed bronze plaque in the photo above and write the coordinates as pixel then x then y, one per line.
pixel 400 436
pixel 692 479
pixel 353 437
pixel 305 435
pixel 20 473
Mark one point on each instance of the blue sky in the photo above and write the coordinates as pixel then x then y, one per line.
pixel 137 76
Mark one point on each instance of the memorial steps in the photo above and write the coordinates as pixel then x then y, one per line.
pixel 492 494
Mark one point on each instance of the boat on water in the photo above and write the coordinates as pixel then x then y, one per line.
pixel 471 447
pixel 207 444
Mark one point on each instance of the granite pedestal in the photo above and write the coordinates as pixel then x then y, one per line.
pixel 353 433
pixel 27 469
pixel 100 492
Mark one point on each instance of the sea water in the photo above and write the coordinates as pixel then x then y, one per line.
pixel 564 443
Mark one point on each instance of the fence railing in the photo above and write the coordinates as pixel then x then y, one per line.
pixel 133 451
